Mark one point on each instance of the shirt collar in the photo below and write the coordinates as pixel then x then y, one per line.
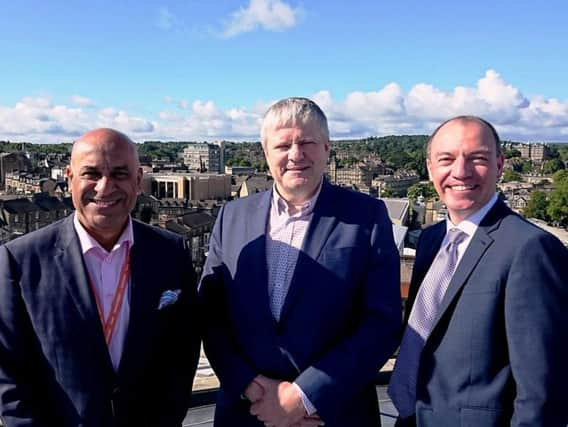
pixel 282 205
pixel 470 224
pixel 88 242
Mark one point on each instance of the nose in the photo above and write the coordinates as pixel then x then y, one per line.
pixel 104 185
pixel 295 152
pixel 461 168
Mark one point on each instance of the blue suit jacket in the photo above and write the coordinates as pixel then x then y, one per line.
pixel 55 369
pixel 497 354
pixel 340 319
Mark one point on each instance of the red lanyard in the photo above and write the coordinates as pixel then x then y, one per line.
pixel 109 324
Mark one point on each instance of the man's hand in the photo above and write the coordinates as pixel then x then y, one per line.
pixel 281 405
pixel 311 421
pixel 254 391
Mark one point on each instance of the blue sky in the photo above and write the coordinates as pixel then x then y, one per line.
pixel 199 70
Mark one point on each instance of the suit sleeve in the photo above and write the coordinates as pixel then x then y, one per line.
pixel 352 364
pixel 18 403
pixel 221 348
pixel 536 319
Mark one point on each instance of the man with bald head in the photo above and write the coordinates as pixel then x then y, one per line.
pixel 98 324
pixel 486 341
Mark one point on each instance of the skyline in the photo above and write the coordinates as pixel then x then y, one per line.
pixel 188 70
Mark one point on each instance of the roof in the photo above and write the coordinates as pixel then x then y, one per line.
pixel 198 219
pixel 398 208
pixel 49 203
pixel 19 206
pixel 258 183
pixel 172 225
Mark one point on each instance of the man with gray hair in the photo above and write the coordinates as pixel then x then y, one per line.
pixel 301 289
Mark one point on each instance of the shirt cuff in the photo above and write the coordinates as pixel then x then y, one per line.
pixel 308 406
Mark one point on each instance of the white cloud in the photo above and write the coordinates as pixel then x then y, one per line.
pixel 81 101
pixel 384 111
pixel 271 15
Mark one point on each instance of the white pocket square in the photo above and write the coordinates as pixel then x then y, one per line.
pixel 169 297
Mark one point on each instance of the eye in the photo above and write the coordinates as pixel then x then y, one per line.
pixel 307 144
pixel 282 147
pixel 445 160
pixel 121 174
pixel 479 160
pixel 89 174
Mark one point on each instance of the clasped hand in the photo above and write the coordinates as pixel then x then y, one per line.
pixel 278 404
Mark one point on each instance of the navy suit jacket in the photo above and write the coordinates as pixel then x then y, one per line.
pixel 55 369
pixel 340 319
pixel 497 355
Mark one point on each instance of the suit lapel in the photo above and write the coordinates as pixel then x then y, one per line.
pixel 255 260
pixel 323 222
pixel 144 293
pixel 479 244
pixel 69 259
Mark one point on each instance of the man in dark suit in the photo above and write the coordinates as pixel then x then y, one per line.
pixel 97 311
pixel 301 289
pixel 486 342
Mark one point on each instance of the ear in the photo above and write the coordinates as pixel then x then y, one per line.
pixel 68 172
pixel 500 164
pixel 428 166
pixel 139 174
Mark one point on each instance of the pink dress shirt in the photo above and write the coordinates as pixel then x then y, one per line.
pixel 104 270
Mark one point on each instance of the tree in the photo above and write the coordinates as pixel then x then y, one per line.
pixel 561 175
pixel 552 166
pixel 537 206
pixel 558 205
pixel 510 175
pixel 509 154
pixel 425 190
pixel 558 201
pixel 526 166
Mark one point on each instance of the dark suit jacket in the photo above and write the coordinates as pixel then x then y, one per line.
pixel 340 318
pixel 55 369
pixel 497 355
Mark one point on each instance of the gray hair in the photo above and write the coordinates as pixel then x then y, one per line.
pixel 467 119
pixel 290 111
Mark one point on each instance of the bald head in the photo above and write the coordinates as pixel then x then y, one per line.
pixel 105 178
pixel 104 138
pixel 490 131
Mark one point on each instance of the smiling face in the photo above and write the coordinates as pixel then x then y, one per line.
pixel 105 178
pixel 464 167
pixel 296 155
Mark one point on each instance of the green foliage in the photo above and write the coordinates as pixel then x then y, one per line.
pixel 561 175
pixel 562 151
pixel 157 150
pixel 512 153
pixel 12 147
pixel 558 203
pixel 510 175
pixel 537 206
pixel 552 166
pixel 397 152
pixel 421 189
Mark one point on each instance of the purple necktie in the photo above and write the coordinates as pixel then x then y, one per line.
pixel 402 387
